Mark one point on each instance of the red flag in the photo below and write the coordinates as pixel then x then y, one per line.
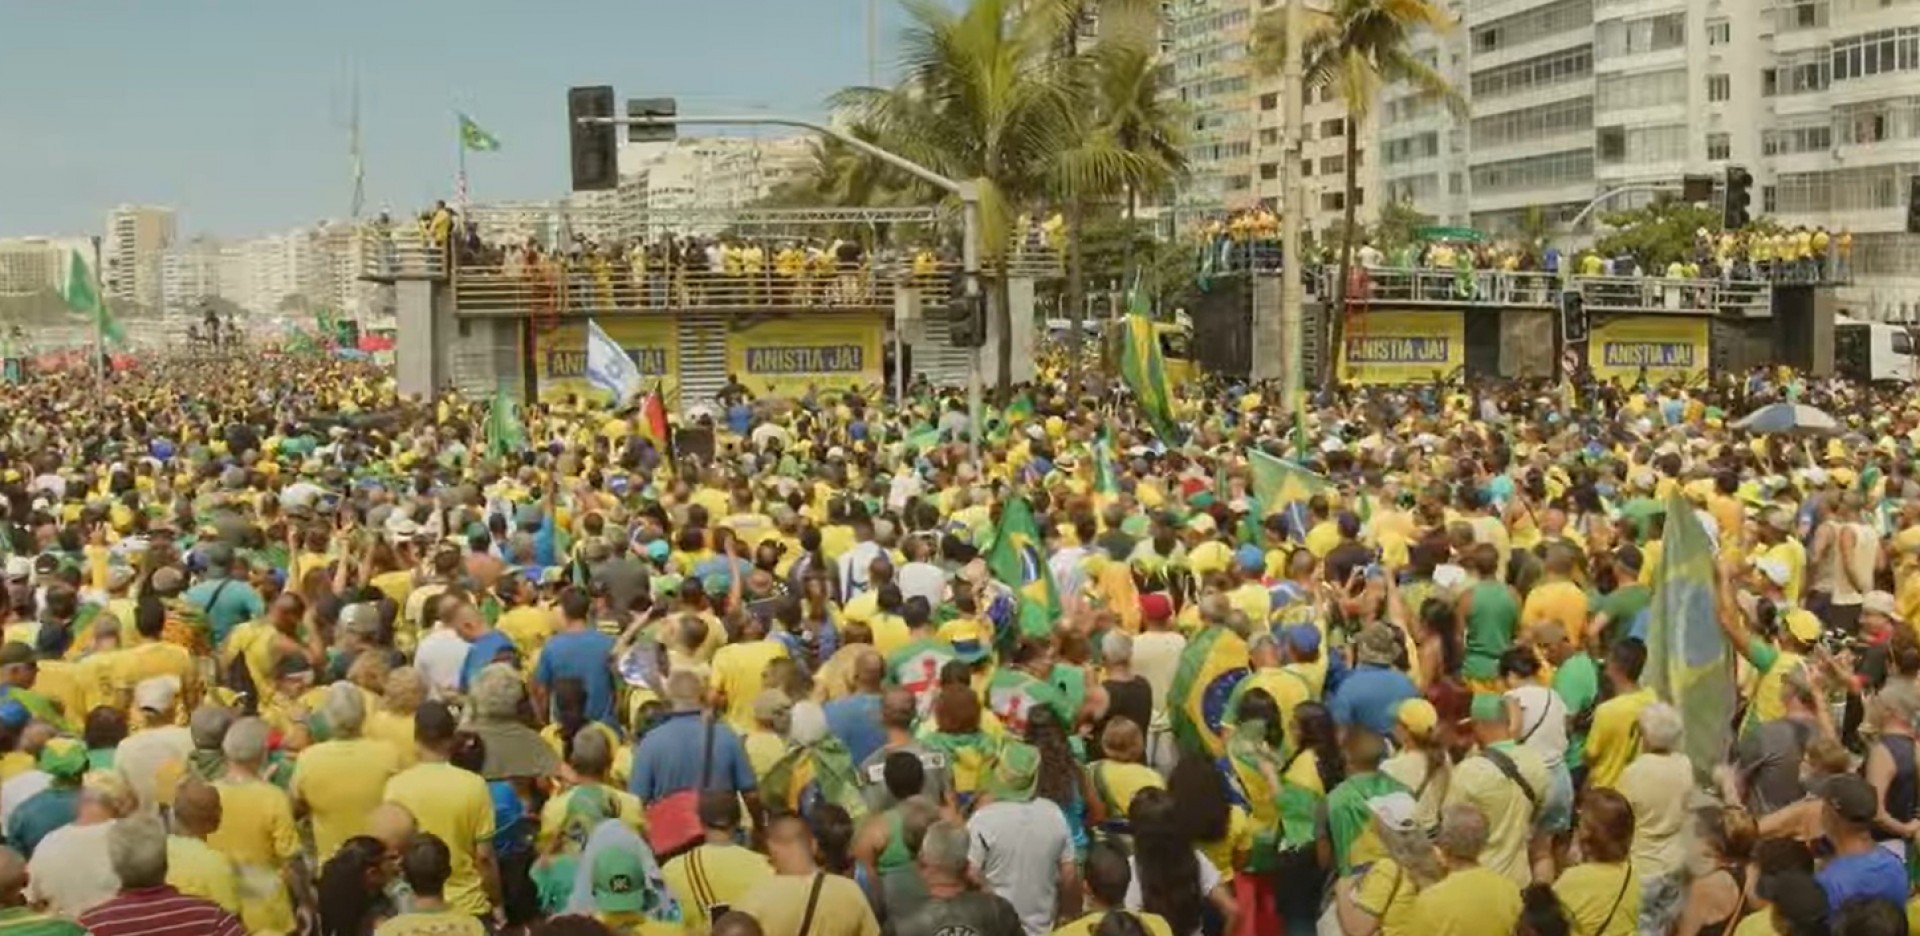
pixel 653 420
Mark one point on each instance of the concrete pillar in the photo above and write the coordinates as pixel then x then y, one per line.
pixel 1020 304
pixel 418 366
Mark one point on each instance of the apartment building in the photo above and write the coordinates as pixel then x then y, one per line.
pixel 1570 99
pixel 137 237
pixel 1235 118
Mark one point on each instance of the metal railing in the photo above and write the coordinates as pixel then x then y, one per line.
pixel 551 289
pixel 1443 287
pixel 1645 294
pixel 400 253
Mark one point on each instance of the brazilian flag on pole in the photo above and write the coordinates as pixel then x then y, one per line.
pixel 1106 481
pixel 1211 667
pixel 505 432
pixel 474 138
pixel 1688 660
pixel 1143 369
pixel 1282 486
pixel 84 298
pixel 1016 561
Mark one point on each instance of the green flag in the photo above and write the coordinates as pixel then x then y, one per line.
pixel 1278 483
pixel 1143 369
pixel 1688 661
pixel 1106 482
pixel 84 299
pixel 1017 562
pixel 505 432
pixel 474 138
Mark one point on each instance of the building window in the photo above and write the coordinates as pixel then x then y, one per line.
pixel 1769 199
pixel 1332 128
pixel 1527 125
pixel 1537 23
pixel 1719 32
pixel 1306 168
pixel 1270 136
pixel 1876 53
pixel 1647 34
pixel 1269 101
pixel 1534 73
pixel 1719 87
pixel 1332 165
pixel 1238 183
pixel 1530 172
pixel 1719 146
pixel 1269 171
pixel 1333 201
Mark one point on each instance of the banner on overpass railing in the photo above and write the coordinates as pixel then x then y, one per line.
pixel 560 356
pixel 1667 346
pixel 784 358
pixel 1403 347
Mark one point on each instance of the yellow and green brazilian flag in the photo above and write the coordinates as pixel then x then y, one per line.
pixel 1016 560
pixel 474 138
pixel 1143 369
pixel 1688 661
pixel 1211 667
pixel 1281 486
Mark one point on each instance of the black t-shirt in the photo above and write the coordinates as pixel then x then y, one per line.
pixel 1132 700
pixel 971 914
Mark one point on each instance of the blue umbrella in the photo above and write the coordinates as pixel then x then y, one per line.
pixel 1787 419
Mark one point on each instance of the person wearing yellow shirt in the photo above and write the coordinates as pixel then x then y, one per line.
pixel 454 806
pixel 779 903
pixel 717 873
pixel 1380 898
pixel 525 621
pixel 427 864
pixel 194 868
pixel 1556 599
pixel 151 657
pixel 257 832
pixel 1601 894
pixel 1774 533
pixel 739 669
pixel 1122 775
pixel 1614 739
pixel 589 795
pixel 1109 876
pixel 1470 900
pixel 1322 534
pixel 340 780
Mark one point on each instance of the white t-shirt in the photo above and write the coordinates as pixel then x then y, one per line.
pixel 1018 849
pixel 19 789
pixel 1209 879
pixel 71 871
pixel 1543 722
pixel 440 658
pixel 1156 657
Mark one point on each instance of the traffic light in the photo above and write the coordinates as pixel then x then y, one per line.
pixel 1739 198
pixel 652 107
pixel 966 314
pixel 1913 205
pixel 596 163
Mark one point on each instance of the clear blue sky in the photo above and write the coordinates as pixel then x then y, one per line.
pixel 234 112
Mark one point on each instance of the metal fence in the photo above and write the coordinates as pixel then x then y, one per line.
pixel 388 254
pixel 1416 286
pixel 555 289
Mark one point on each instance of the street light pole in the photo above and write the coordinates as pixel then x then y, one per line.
pixel 967 191
pixel 1292 321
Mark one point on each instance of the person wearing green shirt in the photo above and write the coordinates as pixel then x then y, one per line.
pixel 1488 612
pixel 1349 832
pixel 1616 614
pixel 1576 679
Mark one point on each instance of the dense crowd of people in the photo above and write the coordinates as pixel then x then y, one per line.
pixel 288 654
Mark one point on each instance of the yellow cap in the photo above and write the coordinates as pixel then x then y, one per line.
pixel 1803 625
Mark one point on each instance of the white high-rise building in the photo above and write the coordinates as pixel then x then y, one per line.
pixel 1571 99
pixel 137 237
pixel 190 274
pixel 1235 118
pixel 30 265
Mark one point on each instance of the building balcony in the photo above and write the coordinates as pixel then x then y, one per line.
pixel 1658 295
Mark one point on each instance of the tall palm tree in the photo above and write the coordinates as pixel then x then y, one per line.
pixel 1356 48
pixel 986 97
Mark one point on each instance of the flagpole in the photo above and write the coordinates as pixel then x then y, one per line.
pixel 99 320
pixel 460 180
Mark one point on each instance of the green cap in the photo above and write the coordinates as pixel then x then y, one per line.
pixel 619 882
pixel 1014 772
pixel 1488 707
pixel 63 758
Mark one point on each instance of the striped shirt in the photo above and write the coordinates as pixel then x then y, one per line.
pixel 159 911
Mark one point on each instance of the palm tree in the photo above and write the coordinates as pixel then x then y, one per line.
pixel 1131 144
pixel 986 98
pixel 1356 48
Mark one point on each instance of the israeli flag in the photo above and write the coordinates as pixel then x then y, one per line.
pixel 608 366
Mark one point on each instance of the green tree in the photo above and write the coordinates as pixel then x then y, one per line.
pixel 1398 226
pixel 1657 234
pixel 987 98
pixel 1356 48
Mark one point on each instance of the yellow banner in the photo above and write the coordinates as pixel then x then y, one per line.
pixel 1403 347
pixel 784 358
pixel 1665 346
pixel 560 357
